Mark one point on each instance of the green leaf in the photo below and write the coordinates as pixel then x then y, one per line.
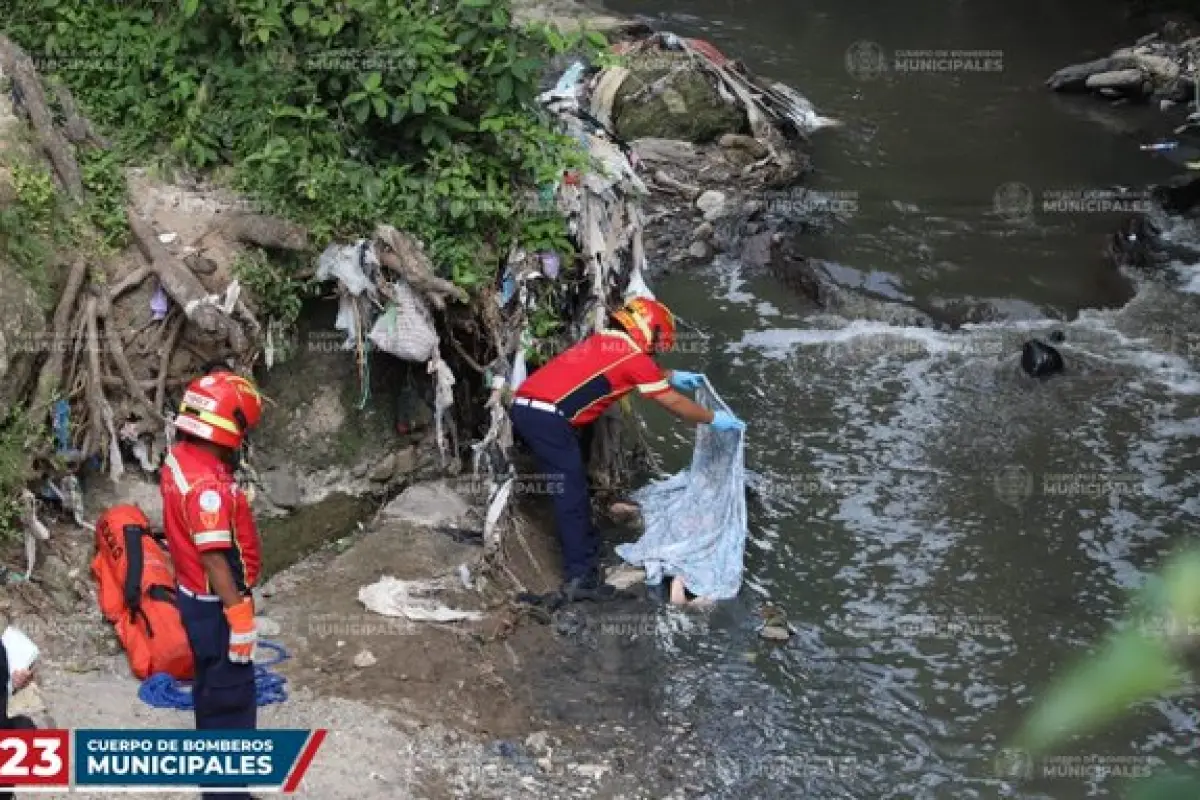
pixel 300 16
pixel 1131 668
pixel 381 107
pixel 418 103
pixel 190 7
pixel 504 88
pixel 1166 787
pixel 362 111
pixel 596 38
pixel 373 81
pixel 354 97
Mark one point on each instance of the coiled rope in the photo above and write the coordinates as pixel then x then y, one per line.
pixel 162 690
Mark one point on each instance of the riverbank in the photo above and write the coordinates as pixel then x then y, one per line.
pixel 496 708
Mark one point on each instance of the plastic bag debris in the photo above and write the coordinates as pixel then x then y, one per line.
pixel 406 328
pixel 695 521
pixel 411 600
pixel 355 266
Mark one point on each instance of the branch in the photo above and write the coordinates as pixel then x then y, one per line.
pixel 117 351
pixel 400 253
pixel 101 412
pixel 184 287
pixel 19 67
pixel 50 378
pixel 77 127
pixel 264 231
pixel 164 363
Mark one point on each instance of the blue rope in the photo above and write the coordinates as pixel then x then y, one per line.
pixel 162 690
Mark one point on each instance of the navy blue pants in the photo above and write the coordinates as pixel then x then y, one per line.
pixel 223 692
pixel 555 445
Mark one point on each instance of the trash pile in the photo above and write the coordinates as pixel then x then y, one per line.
pixel 387 293
pixel 1161 66
pixel 604 212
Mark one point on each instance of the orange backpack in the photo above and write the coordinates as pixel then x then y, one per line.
pixel 135 587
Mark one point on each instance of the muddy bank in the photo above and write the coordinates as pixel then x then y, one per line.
pixel 558 707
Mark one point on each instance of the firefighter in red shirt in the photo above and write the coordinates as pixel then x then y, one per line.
pixel 570 392
pixel 215 548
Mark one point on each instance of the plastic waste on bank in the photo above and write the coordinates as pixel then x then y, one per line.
pixel 159 304
pixel 406 329
pixel 1160 146
pixel 21 652
pixel 550 264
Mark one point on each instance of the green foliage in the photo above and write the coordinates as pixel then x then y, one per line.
pixel 273 284
pixel 1143 660
pixel 27 225
pixel 338 115
pixel 19 435
pixel 104 180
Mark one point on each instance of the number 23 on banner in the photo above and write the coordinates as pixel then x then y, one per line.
pixel 35 758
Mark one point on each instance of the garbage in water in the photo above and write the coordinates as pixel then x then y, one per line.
pixel 696 523
pixel 1040 360
pixel 1160 146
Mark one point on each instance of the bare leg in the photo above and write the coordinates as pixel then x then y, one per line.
pixel 678 596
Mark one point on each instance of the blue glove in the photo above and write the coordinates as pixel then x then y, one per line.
pixel 724 421
pixel 686 381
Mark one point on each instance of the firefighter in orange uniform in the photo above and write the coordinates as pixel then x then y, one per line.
pixel 215 547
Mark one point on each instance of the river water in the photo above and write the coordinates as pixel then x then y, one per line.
pixel 944 535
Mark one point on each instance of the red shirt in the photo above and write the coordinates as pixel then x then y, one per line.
pixel 592 375
pixel 205 511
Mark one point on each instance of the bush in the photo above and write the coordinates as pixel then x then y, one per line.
pixel 19 435
pixel 336 115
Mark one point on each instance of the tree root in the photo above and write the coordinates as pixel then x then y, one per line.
pixel 164 364
pixel 77 127
pixel 185 288
pixel 117 352
pixel 102 426
pixel 129 282
pixel 49 379
pixel 265 231
pixel 401 253
pixel 20 68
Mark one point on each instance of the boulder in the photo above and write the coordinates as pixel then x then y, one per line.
pixel 1161 68
pixel 22 327
pixel 429 504
pixel 282 488
pixel 1124 80
pixel 668 97
pixel 1074 78
pixel 712 205
pixel 757 250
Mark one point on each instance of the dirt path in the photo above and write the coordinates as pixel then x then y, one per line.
pixel 472 710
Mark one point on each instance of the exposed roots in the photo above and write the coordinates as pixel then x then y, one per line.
pixel 32 99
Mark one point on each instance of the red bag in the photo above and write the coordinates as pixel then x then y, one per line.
pixel 135 587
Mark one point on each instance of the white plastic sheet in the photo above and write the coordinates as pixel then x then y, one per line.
pixel 412 600
pixel 406 329
pixel 696 523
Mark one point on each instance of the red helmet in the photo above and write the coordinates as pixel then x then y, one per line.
pixel 649 322
pixel 220 408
